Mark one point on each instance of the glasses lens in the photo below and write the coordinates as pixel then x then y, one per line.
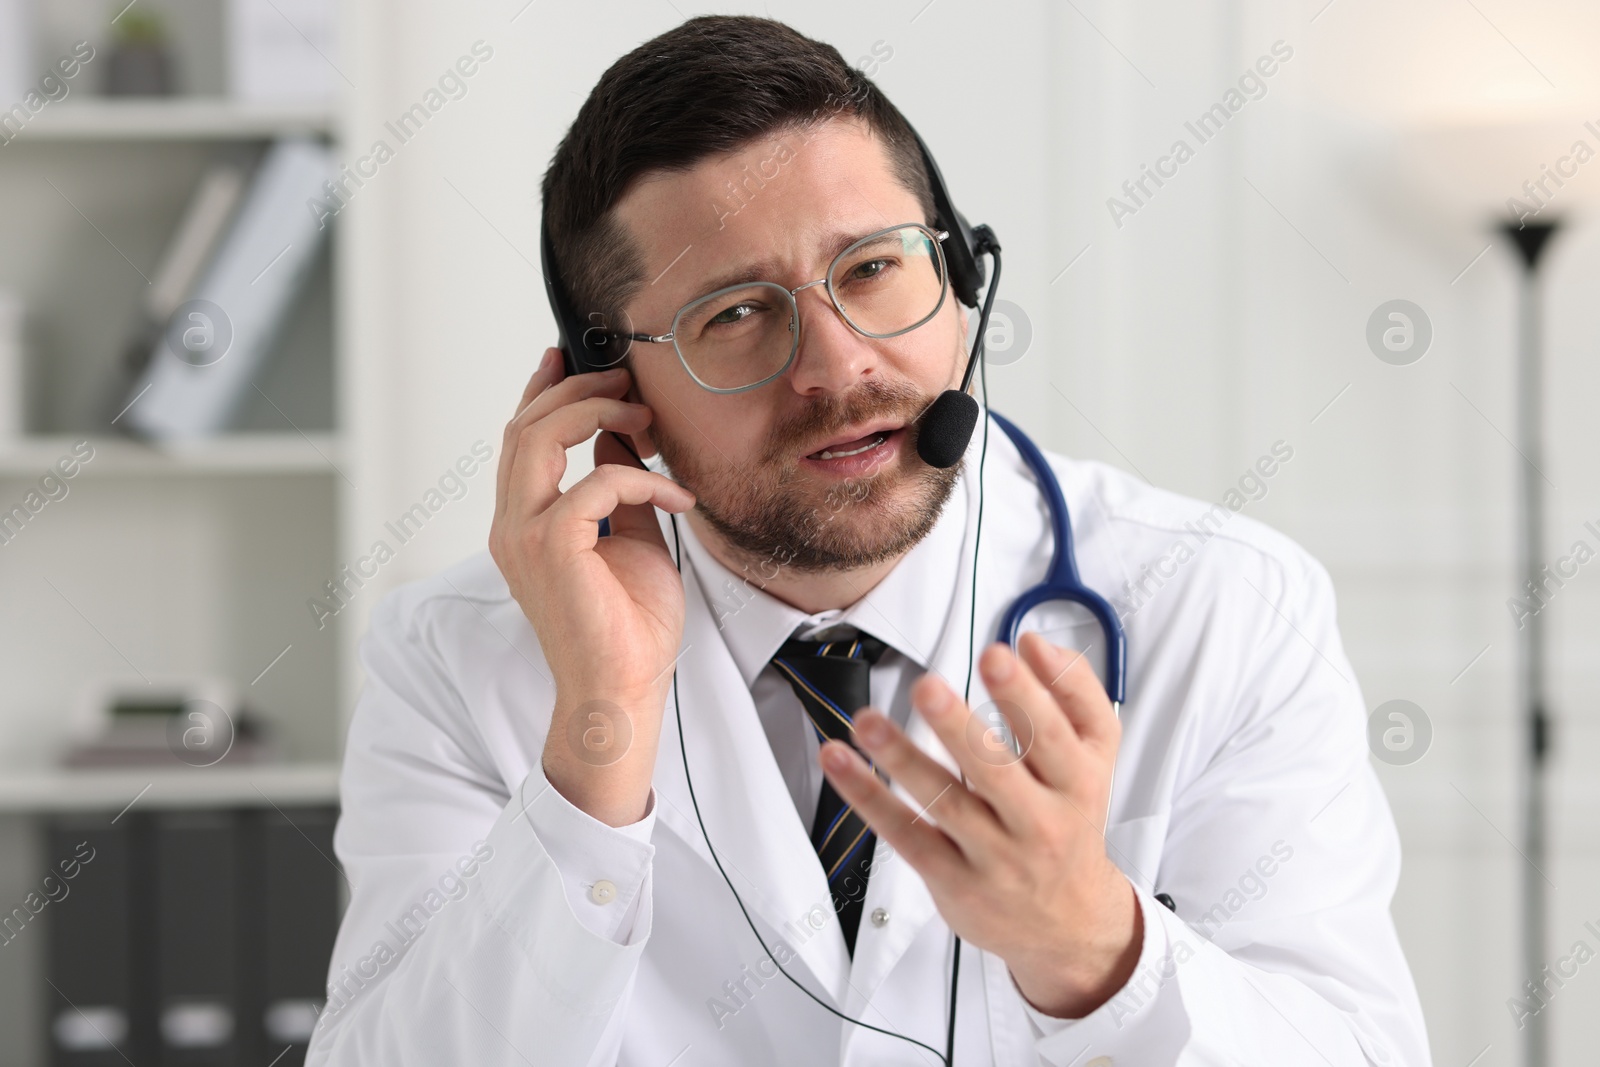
pixel 890 282
pixel 736 337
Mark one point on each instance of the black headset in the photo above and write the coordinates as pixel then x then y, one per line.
pixel 943 433
pixel 945 428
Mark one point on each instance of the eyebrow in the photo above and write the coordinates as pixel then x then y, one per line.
pixel 763 270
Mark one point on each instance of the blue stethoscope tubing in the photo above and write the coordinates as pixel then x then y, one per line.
pixel 1061 581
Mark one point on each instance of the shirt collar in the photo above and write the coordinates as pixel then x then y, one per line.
pixel 907 610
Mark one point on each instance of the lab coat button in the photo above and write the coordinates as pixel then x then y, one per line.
pixel 880 917
pixel 603 892
pixel 1099 1061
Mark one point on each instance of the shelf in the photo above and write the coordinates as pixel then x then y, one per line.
pixel 175 119
pixel 262 785
pixel 255 453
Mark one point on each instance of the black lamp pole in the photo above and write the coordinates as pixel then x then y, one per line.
pixel 1531 240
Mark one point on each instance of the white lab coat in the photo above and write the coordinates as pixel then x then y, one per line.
pixel 1243 790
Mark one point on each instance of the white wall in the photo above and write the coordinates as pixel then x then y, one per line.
pixel 1221 317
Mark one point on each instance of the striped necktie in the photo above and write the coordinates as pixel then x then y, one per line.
pixel 831 678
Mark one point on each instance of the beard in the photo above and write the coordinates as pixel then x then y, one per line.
pixel 772 515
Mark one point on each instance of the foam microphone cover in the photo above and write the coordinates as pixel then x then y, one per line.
pixel 946 429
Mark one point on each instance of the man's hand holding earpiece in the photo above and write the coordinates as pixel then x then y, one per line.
pixel 608 611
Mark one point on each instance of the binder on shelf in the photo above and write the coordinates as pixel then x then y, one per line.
pixel 299 918
pixel 197 923
pixel 204 361
pixel 97 1012
pixel 191 938
pixel 209 211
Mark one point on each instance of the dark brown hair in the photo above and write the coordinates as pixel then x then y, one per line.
pixel 711 85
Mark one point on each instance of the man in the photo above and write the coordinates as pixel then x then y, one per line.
pixel 607 800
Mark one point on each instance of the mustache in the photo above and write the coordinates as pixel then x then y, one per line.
pixel 831 413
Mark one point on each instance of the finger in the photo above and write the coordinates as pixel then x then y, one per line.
pixel 645 442
pixel 939 794
pixel 1053 750
pixel 925 846
pixel 549 371
pixel 544 375
pixel 563 392
pixel 534 483
pixel 994 774
pixel 613 383
pixel 619 448
pixel 606 487
pixel 628 520
pixel 1070 677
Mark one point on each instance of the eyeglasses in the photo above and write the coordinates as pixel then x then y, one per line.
pixel 743 336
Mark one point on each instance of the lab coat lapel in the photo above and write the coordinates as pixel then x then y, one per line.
pixel 747 809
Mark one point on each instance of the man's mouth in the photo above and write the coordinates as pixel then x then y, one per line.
pixel 856 447
pixel 856 440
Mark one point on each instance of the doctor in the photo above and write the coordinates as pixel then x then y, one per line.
pixel 724 787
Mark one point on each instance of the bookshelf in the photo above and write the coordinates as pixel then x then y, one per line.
pixel 257 509
pixel 171 560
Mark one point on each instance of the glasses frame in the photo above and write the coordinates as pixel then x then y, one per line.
pixel 936 236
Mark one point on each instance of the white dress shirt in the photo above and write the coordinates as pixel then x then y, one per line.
pixel 1243 789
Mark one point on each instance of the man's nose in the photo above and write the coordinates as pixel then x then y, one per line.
pixel 832 356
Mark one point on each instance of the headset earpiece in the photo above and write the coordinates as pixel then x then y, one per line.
pixel 961 253
pixel 586 346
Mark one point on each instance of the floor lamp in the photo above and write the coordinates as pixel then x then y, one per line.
pixel 1531 241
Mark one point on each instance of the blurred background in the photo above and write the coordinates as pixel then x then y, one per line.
pixel 341 197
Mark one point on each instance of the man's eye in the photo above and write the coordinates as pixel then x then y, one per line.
pixel 872 268
pixel 731 316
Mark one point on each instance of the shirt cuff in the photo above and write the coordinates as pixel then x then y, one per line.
pixel 605 869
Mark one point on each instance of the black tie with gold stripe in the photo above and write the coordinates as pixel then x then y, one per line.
pixel 832 678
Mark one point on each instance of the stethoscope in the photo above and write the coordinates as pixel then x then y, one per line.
pixel 1061 581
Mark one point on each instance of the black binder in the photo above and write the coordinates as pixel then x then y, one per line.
pixel 299 910
pixel 97 1008
pixel 197 917
pixel 191 938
